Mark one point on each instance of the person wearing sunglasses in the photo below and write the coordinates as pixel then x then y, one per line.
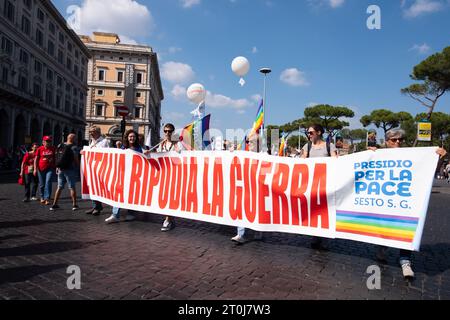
pixel 167 145
pixel 317 148
pixel 395 139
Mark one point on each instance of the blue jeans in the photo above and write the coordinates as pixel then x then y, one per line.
pixel 116 212
pixel 241 231
pixel 67 176
pixel 45 183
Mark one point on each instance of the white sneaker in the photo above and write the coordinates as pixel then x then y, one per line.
pixel 238 239
pixel 34 199
pixel 406 269
pixel 167 225
pixel 112 219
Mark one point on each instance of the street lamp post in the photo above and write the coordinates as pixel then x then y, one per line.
pixel 265 72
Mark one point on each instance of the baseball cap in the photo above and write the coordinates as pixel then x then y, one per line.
pixel 47 138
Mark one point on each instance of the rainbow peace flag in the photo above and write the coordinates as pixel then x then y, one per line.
pixel 195 136
pixel 382 226
pixel 283 146
pixel 259 122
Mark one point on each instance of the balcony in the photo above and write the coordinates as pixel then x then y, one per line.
pixel 16 95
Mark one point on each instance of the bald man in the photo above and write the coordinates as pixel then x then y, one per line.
pixel 67 162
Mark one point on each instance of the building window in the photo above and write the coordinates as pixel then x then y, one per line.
pixel 49 97
pixel 139 77
pixel 39 37
pixel 138 94
pixel 75 70
pixel 137 112
pixel 51 27
pixel 69 47
pixel 99 109
pixel 26 25
pixel 119 93
pixel 77 54
pixel 23 83
pixel 69 63
pixel 100 93
pixel 58 101
pixel 40 15
pixel 5 72
pixel 82 76
pixel 7 46
pixel 119 76
pixel 9 10
pixel 67 106
pixel 60 56
pixel 59 81
pixel 50 48
pixel 37 90
pixel 37 67
pixel 101 75
pixel 61 38
pixel 49 75
pixel 27 3
pixel 23 56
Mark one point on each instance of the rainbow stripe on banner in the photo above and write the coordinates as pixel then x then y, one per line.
pixel 382 226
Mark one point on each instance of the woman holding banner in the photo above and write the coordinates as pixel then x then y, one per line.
pixel 317 148
pixel 394 139
pixel 130 141
pixel 253 142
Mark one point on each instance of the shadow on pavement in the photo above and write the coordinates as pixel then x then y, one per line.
pixel 47 248
pixel 34 222
pixel 20 274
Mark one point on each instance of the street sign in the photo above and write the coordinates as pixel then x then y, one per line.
pixel 123 111
pixel 424 131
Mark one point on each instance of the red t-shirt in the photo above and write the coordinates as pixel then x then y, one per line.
pixel 46 158
pixel 28 160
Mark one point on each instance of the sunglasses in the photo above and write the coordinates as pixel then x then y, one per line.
pixel 168 131
pixel 397 140
pixel 310 133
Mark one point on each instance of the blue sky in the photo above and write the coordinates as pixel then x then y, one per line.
pixel 322 47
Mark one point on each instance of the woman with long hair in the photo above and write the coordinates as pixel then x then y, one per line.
pixel 130 141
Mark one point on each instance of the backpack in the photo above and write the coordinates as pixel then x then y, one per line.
pixel 328 148
pixel 64 156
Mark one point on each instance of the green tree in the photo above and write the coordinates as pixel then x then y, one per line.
pixel 435 74
pixel 385 119
pixel 329 117
pixel 354 135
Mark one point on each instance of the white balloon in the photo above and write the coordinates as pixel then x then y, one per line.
pixel 240 66
pixel 196 93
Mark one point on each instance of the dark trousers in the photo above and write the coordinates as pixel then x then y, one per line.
pixel 30 179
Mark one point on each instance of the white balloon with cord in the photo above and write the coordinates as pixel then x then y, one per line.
pixel 240 66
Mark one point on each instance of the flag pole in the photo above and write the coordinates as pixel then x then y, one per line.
pixel 265 72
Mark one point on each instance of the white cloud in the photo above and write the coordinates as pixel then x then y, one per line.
pixel 189 3
pixel 174 116
pixel 294 77
pixel 221 101
pixel 254 50
pixel 421 49
pixel 420 7
pixel 336 3
pixel 320 3
pixel 127 40
pixel 177 72
pixel 178 92
pixel 115 16
pixel 174 50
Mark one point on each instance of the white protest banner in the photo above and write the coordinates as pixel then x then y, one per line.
pixel 377 197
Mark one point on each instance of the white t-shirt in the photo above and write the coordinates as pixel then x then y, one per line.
pixel 101 142
pixel 317 152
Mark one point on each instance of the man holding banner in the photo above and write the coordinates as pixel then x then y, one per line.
pixel 167 145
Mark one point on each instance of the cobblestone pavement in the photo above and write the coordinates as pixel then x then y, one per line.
pixel 135 260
